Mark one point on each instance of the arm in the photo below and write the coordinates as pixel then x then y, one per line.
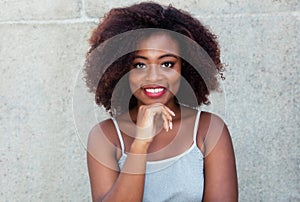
pixel 220 177
pixel 108 183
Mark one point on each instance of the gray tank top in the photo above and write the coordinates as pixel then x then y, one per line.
pixel 179 178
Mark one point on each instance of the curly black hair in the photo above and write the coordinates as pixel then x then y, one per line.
pixel 108 59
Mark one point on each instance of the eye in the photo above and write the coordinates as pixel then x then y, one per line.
pixel 168 64
pixel 139 65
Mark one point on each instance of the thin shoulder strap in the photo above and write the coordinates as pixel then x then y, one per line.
pixel 196 125
pixel 119 134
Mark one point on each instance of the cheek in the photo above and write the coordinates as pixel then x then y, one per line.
pixel 175 81
pixel 133 80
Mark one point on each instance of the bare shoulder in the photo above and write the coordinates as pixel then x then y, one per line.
pixel 104 126
pixel 101 158
pixel 219 159
pixel 211 128
pixel 207 118
pixel 102 135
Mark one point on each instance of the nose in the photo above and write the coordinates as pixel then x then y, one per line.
pixel 153 73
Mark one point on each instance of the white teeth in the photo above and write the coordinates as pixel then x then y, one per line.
pixel 154 90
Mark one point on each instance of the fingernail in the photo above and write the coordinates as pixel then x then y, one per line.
pixel 171 125
pixel 173 113
pixel 166 126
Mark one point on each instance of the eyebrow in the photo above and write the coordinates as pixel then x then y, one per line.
pixel 160 57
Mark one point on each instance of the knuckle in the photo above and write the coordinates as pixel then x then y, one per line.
pixel 157 104
pixel 142 107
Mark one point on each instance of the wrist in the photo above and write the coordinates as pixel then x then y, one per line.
pixel 139 147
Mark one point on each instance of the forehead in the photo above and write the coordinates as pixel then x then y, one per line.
pixel 159 42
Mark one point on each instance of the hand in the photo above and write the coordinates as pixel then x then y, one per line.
pixel 148 119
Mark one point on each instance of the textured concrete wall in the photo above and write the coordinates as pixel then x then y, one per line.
pixel 42 48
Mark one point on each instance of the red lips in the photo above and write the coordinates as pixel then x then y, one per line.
pixel 154 91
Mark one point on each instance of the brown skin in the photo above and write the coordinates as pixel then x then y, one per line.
pixel 146 142
pixel 156 64
pixel 109 184
pixel 220 177
pixel 149 15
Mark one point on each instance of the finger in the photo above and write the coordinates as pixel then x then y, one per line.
pixel 166 122
pixel 160 109
pixel 167 114
pixel 169 110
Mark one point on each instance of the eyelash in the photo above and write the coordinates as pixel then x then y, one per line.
pixel 164 65
pixel 138 64
pixel 170 63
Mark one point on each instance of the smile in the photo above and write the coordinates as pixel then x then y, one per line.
pixel 154 92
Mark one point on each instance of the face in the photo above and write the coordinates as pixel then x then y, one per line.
pixel 156 70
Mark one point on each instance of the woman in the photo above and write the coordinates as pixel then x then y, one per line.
pixel 158 145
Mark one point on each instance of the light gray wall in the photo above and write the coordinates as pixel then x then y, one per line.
pixel 43 45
